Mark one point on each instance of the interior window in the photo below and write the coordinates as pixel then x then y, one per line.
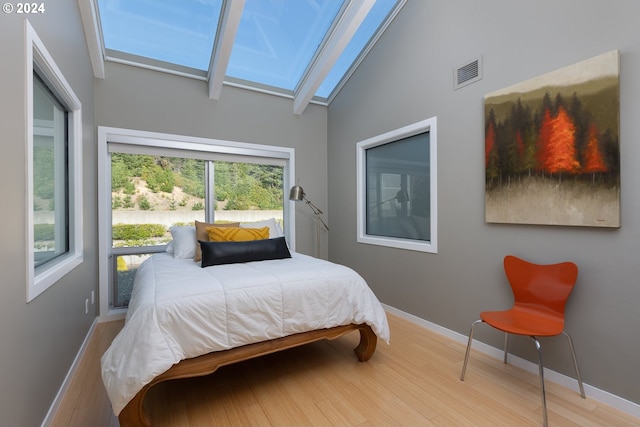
pixel 397 188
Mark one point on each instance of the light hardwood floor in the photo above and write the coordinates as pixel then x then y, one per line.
pixel 414 381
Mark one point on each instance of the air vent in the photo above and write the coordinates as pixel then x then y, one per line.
pixel 468 73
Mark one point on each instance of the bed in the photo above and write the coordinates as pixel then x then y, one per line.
pixel 185 320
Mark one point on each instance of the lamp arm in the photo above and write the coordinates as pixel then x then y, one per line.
pixel 382 203
pixel 317 212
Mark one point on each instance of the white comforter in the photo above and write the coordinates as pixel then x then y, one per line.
pixel 179 310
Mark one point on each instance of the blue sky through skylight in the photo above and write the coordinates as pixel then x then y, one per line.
pixel 276 40
pixel 274 44
pixel 376 16
pixel 175 31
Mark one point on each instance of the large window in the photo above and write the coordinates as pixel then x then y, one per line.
pixel 397 199
pixel 151 193
pixel 54 232
pixel 155 181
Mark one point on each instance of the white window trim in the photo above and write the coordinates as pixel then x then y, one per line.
pixel 37 56
pixel 428 125
pixel 169 142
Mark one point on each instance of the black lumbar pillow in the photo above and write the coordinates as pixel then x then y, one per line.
pixel 217 253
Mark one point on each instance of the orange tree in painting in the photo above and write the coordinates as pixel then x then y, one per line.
pixel 561 156
pixel 544 136
pixel 593 161
pixel 550 140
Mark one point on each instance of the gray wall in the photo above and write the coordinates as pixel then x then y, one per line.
pixel 40 339
pixel 408 77
pixel 146 100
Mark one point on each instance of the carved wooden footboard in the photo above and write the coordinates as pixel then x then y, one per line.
pixel 134 415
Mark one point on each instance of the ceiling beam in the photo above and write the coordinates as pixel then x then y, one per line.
pixel 225 37
pixel 351 18
pixel 93 35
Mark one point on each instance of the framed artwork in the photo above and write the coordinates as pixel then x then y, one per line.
pixel 552 149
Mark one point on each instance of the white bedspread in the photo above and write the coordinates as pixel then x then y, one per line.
pixel 179 310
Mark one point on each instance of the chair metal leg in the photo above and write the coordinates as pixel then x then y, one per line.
pixel 466 355
pixel 575 364
pixel 545 421
pixel 506 344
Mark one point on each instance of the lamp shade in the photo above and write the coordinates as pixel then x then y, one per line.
pixel 296 194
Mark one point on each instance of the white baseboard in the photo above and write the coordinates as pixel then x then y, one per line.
pixel 605 397
pixel 113 315
pixel 48 419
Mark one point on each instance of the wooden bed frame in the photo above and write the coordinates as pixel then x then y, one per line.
pixel 134 414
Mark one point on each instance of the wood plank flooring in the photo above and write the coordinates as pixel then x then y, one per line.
pixel 414 381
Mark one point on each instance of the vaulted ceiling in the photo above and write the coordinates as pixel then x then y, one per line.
pixel 301 49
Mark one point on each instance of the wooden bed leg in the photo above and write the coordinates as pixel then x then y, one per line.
pixel 133 414
pixel 367 346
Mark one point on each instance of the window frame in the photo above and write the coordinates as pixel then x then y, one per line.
pixel 38 59
pixel 431 246
pixel 171 145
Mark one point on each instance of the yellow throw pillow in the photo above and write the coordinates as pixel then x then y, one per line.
pixel 237 234
pixel 202 234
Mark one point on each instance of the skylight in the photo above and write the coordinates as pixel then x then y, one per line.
pixel 303 49
pixel 363 39
pixel 277 40
pixel 173 31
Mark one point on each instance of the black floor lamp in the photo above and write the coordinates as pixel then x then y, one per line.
pixel 297 194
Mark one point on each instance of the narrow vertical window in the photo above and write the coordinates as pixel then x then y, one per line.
pixel 50 176
pixel 54 170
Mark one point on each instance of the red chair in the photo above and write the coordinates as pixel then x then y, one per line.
pixel 540 293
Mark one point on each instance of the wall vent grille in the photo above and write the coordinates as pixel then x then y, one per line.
pixel 468 73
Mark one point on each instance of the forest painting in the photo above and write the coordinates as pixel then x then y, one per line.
pixel 552 149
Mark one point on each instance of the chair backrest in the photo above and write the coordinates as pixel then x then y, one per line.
pixel 543 286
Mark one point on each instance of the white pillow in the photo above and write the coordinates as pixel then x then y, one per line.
pixel 184 241
pixel 169 248
pixel 274 227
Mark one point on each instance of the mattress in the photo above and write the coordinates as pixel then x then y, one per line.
pixel 179 310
